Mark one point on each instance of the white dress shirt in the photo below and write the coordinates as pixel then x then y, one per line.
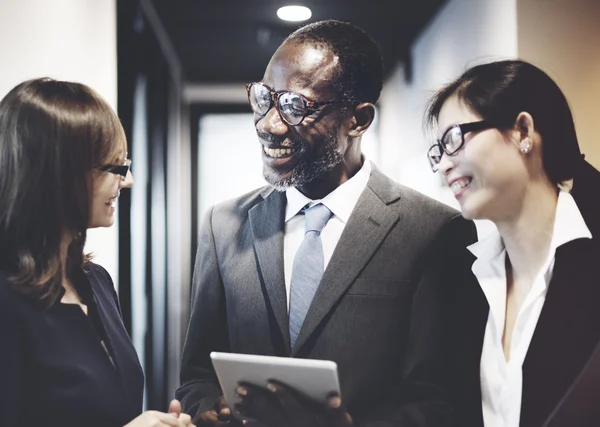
pixel 501 381
pixel 340 202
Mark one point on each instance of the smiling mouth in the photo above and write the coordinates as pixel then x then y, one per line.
pixel 112 202
pixel 459 184
pixel 277 153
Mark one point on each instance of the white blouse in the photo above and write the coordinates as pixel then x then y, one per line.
pixel 501 381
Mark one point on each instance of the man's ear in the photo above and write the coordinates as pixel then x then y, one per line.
pixel 362 117
pixel 525 132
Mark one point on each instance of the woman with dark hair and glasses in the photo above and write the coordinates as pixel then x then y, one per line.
pixel 66 358
pixel 527 320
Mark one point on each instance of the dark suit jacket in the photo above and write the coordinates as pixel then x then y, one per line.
pixel 53 368
pixel 580 405
pixel 378 312
pixel 561 371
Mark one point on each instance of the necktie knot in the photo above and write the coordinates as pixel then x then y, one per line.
pixel 316 217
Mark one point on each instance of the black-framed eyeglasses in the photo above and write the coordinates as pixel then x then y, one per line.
pixel 292 107
pixel 121 170
pixel 452 141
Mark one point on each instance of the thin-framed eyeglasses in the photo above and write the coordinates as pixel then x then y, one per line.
pixel 121 170
pixel 452 141
pixel 292 107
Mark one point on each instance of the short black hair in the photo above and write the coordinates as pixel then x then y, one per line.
pixel 360 76
pixel 53 135
pixel 498 91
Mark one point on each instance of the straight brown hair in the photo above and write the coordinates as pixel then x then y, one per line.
pixel 53 134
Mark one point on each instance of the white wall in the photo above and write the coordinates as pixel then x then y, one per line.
pixel 68 40
pixel 463 33
pixel 229 157
pixel 563 38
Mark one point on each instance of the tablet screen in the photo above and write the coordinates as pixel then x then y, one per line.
pixel 317 379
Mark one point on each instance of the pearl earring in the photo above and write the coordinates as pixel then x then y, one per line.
pixel 525 146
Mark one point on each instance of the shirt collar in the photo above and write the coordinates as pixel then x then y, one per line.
pixel 340 201
pixel 489 247
pixel 569 225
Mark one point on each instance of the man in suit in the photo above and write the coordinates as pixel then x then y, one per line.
pixel 385 255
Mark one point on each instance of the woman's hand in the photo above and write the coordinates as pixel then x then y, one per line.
pixel 175 409
pixel 159 419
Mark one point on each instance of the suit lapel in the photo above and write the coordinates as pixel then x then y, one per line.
pixel 471 310
pixel 267 220
pixel 368 225
pixel 579 406
pixel 121 353
pixel 126 371
pixel 567 322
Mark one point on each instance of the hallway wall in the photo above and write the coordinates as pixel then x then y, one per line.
pixel 68 40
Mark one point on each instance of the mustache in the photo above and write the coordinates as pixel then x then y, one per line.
pixel 269 137
pixel 279 139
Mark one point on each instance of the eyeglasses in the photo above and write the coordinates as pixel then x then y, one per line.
pixel 452 141
pixel 121 170
pixel 292 107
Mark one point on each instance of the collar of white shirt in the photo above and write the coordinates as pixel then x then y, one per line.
pixel 340 201
pixel 569 225
pixel 501 381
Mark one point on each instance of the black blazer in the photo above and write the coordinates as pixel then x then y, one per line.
pixel 579 406
pixel 378 311
pixel 566 335
pixel 53 368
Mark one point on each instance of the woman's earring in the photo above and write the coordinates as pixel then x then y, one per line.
pixel 525 146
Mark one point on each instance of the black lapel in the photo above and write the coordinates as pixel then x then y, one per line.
pixel 123 354
pixel 579 406
pixel 566 333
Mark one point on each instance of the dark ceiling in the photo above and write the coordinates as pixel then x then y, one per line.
pixel 227 41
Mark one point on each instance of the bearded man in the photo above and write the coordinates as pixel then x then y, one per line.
pixel 332 260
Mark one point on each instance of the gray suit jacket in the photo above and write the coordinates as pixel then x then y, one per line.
pixel 378 311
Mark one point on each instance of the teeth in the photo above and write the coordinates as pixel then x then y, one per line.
pixel 460 184
pixel 277 152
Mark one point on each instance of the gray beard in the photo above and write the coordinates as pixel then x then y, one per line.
pixel 308 169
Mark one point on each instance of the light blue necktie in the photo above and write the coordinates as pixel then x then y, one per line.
pixel 308 267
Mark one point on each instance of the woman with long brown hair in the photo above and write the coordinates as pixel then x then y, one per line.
pixel 66 358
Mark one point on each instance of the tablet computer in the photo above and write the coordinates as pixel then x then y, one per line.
pixel 317 379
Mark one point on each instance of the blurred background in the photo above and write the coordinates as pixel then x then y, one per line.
pixel 175 72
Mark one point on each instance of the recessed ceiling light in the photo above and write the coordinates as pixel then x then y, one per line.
pixel 294 13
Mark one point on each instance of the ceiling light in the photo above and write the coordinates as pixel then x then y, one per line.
pixel 294 13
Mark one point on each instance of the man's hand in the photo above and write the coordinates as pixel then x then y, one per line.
pixel 280 405
pixel 218 415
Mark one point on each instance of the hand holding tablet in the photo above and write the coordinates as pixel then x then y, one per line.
pixel 317 379
pixel 281 390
